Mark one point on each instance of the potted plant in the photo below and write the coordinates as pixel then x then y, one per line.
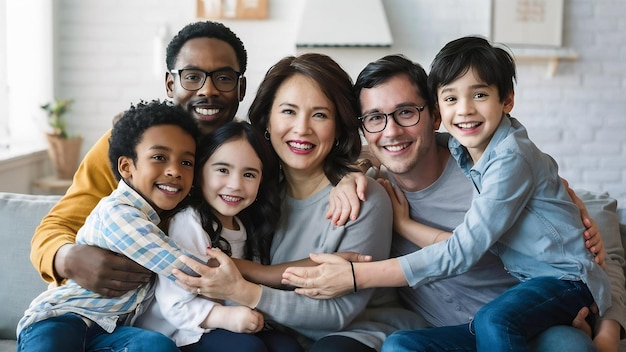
pixel 64 150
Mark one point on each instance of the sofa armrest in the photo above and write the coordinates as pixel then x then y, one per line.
pixel 20 214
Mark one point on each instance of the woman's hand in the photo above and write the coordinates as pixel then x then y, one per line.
pixel 223 281
pixel 331 278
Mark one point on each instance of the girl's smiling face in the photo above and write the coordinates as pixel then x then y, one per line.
pixel 231 178
pixel 471 111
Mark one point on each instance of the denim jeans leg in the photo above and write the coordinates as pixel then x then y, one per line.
pixel 443 339
pixel 130 339
pixel 66 332
pixel 525 310
pixel 562 338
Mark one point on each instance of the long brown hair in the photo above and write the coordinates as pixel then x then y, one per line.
pixel 336 85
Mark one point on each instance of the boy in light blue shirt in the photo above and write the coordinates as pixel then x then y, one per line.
pixel 521 211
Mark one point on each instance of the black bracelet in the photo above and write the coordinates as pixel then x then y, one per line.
pixel 353 276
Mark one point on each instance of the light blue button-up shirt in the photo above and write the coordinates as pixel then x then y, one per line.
pixel 521 212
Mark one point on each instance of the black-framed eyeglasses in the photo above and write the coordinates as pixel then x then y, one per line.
pixel 224 79
pixel 405 116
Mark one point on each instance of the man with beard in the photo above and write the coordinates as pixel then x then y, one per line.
pixel 206 63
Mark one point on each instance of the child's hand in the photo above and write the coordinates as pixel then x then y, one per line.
pixel 580 321
pixel 592 236
pixel 399 204
pixel 234 318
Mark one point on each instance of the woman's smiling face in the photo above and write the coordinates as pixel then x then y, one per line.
pixel 302 125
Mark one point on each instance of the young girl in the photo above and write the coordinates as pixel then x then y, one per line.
pixel 233 206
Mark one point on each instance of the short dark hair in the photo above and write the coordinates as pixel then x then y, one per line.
pixel 128 132
pixel 493 64
pixel 261 217
pixel 381 70
pixel 208 29
pixel 336 84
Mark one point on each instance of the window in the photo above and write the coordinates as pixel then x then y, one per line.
pixel 4 87
pixel 26 71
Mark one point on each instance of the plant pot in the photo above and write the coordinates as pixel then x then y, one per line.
pixel 64 154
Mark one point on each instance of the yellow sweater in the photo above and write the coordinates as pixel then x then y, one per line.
pixel 93 181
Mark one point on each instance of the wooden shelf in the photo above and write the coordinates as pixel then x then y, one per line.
pixel 551 55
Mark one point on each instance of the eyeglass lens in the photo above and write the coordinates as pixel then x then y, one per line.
pixel 404 116
pixel 224 80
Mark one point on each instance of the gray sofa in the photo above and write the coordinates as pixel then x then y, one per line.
pixel 20 214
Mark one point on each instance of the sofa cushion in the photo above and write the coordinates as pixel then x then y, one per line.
pixel 19 216
pixel 603 209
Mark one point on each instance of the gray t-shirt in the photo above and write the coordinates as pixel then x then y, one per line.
pixel 368 315
pixel 454 300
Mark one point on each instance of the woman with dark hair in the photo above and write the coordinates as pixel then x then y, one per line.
pixel 308 113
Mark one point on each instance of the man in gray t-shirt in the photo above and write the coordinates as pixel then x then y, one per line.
pixel 454 300
pixel 399 123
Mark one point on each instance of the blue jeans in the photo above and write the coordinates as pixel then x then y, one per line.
pixel 220 340
pixel 338 343
pixel 69 333
pixel 505 324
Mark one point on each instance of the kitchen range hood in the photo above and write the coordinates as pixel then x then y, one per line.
pixel 343 23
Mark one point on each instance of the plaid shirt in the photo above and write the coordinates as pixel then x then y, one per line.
pixel 123 223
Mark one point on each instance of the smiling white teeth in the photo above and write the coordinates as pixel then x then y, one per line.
pixel 231 198
pixel 300 145
pixel 468 124
pixel 396 148
pixel 168 188
pixel 202 111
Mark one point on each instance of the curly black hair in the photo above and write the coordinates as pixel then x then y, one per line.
pixel 128 131
pixel 208 29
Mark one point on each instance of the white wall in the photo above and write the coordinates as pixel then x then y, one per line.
pixel 105 61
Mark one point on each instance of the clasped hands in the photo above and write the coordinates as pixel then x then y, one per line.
pixel 331 278
pixel 224 281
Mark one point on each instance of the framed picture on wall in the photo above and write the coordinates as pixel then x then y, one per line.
pixel 528 22
pixel 235 9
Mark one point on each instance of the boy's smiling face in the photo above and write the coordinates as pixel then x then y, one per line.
pixel 163 171
pixel 471 111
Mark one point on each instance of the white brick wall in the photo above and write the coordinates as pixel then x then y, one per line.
pixel 105 61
